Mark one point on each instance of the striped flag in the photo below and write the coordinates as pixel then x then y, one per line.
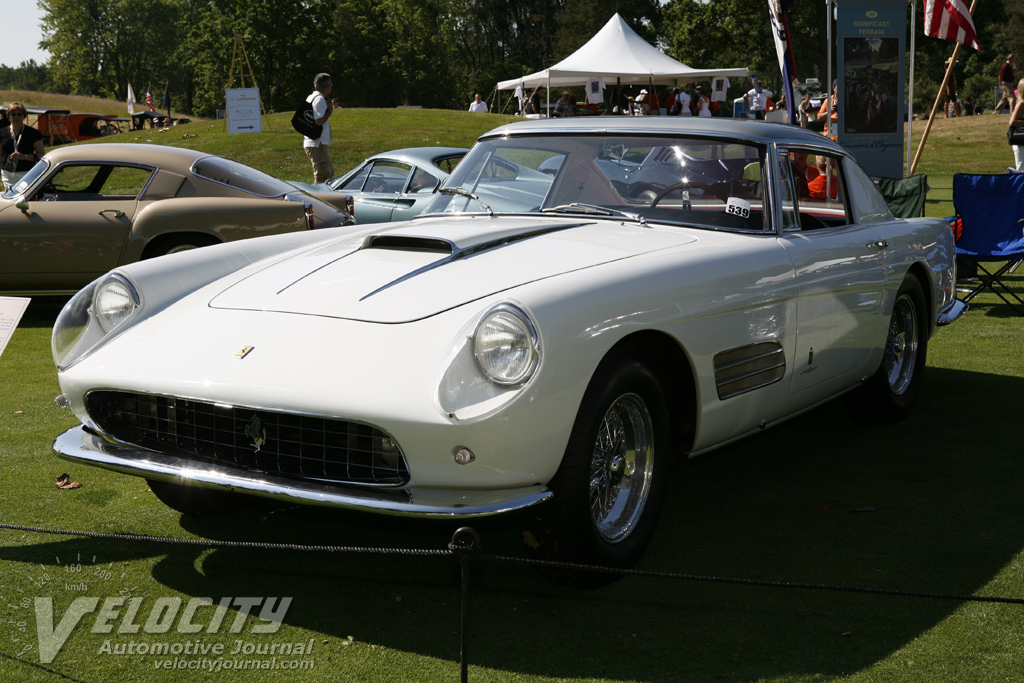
pixel 784 50
pixel 149 98
pixel 950 20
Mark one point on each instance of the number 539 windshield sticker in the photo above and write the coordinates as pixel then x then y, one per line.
pixel 738 207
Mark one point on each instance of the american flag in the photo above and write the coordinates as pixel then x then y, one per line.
pixel 149 99
pixel 950 20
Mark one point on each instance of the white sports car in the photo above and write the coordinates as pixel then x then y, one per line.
pixel 540 336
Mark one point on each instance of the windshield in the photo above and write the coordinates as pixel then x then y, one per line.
pixel 227 172
pixel 693 181
pixel 28 179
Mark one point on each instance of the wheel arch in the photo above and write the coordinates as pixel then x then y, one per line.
pixel 920 271
pixel 159 244
pixel 671 365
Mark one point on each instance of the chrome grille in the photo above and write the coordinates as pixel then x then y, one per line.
pixel 256 440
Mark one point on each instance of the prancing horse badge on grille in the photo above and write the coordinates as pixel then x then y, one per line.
pixel 255 431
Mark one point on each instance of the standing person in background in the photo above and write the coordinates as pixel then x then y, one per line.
pixel 1007 77
pixel 757 99
pixel 535 103
pixel 478 105
pixel 703 104
pixel 951 104
pixel 806 110
pixel 831 122
pixel 1017 120
pixel 318 151
pixel 22 145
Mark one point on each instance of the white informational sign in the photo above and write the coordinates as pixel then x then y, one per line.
pixel 243 110
pixel 11 310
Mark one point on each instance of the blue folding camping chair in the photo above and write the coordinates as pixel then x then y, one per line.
pixel 991 208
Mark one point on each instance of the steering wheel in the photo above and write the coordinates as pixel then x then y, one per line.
pixel 687 184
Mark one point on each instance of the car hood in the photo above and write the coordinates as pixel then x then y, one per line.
pixel 410 271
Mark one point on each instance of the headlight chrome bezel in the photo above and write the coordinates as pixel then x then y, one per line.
pixel 512 318
pixel 81 327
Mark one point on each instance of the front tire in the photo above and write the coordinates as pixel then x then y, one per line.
pixel 891 392
pixel 610 485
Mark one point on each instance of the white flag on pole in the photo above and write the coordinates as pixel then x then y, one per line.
pixel 131 99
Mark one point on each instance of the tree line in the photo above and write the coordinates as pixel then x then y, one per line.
pixel 434 53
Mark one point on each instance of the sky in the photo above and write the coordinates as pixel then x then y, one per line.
pixel 20 41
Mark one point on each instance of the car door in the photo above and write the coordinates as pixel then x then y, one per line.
pixel 72 227
pixel 840 273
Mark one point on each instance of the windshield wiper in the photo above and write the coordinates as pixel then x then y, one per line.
pixel 463 192
pixel 595 210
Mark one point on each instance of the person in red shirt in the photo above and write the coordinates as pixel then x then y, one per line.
pixel 817 186
pixel 1007 76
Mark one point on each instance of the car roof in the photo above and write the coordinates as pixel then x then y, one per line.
pixel 151 155
pixel 745 129
pixel 419 155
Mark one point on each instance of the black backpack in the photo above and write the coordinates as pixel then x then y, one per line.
pixel 304 121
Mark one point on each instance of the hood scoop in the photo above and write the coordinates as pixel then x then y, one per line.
pixel 409 243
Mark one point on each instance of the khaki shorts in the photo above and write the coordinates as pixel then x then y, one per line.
pixel 320 157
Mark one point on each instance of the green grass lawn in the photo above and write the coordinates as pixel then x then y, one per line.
pixel 931 504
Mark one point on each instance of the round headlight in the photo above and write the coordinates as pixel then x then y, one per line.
pixel 506 345
pixel 113 303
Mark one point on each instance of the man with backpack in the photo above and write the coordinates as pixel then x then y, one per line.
pixel 318 149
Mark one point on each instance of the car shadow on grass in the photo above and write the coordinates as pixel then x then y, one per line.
pixel 931 504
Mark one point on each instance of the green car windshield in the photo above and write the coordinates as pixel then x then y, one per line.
pixel 694 181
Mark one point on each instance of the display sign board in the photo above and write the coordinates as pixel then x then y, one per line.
pixel 11 310
pixel 872 74
pixel 243 110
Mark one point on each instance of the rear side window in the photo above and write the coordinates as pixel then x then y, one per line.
pixel 234 174
pixel 868 204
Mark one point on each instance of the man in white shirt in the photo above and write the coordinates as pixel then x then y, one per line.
pixel 318 150
pixel 478 105
pixel 757 99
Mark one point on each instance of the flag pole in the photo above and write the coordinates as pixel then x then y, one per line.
pixel 938 98
pixel 910 91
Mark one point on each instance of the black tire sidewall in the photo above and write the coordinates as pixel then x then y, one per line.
pixel 567 531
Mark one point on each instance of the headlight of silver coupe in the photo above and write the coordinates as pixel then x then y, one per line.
pixel 506 345
pixel 90 317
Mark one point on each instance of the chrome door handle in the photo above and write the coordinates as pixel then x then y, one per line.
pixel 880 244
pixel 117 213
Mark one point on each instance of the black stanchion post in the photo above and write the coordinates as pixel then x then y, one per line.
pixel 464 541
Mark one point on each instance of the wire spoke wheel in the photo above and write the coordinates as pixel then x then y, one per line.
pixel 621 467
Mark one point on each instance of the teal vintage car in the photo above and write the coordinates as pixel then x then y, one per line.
pixel 395 185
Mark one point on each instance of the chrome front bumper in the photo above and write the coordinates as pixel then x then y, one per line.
pixel 80 445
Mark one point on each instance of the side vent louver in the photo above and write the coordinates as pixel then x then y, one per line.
pixel 738 371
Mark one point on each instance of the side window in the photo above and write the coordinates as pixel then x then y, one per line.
pixel 387 176
pixel 868 204
pixel 125 181
pixel 825 205
pixel 92 181
pixel 422 182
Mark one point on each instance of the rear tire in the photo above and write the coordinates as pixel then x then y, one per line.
pixel 891 392
pixel 610 485
pixel 175 244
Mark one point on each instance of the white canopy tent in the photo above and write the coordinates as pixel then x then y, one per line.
pixel 617 54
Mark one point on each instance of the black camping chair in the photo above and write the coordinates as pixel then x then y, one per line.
pixel 991 208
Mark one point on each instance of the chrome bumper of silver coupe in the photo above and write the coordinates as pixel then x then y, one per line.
pixel 953 310
pixel 81 445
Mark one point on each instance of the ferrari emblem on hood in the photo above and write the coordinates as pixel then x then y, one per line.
pixel 244 351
